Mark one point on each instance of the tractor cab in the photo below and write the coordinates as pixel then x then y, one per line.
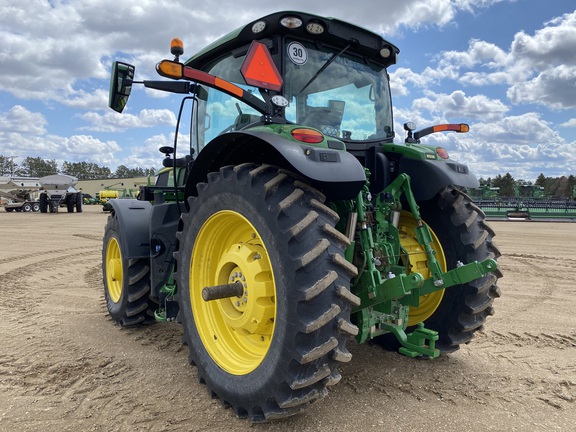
pixel 285 68
pixel 302 75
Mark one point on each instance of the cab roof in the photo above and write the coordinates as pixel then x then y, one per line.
pixel 336 33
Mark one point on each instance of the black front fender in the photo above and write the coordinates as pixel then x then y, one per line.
pixel 134 226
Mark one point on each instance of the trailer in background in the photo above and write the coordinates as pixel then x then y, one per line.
pixel 57 190
pixel 18 193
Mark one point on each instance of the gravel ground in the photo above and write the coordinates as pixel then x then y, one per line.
pixel 65 366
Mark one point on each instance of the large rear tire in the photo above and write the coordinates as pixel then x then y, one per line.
pixel 274 350
pixel 463 235
pixel 78 198
pixel 43 203
pixel 70 203
pixel 126 281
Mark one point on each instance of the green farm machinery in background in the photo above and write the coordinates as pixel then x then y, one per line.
pixel 528 203
pixel 290 222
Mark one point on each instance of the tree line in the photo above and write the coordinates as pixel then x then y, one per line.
pixel 561 187
pixel 38 167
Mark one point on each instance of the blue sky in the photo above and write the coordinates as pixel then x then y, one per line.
pixel 506 67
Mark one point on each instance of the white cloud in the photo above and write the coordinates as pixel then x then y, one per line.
pixel 458 105
pixel 75 148
pixel 48 46
pixel 80 146
pixel 539 68
pixel 98 99
pixel 23 133
pixel 524 145
pixel 479 52
pixel 114 122
pixel 517 130
pixel 400 78
pixel 147 154
pixel 19 120
pixel 555 88
pixel 570 123
pixel 550 45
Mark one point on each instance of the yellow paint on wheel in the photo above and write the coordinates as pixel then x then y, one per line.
pixel 429 302
pixel 114 270
pixel 236 332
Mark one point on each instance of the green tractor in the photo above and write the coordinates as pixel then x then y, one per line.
pixel 291 222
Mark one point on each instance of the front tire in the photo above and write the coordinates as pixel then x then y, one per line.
pixel 275 349
pixel 126 281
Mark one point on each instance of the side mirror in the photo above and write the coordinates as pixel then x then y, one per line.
pixel 120 85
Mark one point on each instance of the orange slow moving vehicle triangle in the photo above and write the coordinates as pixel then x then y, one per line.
pixel 259 69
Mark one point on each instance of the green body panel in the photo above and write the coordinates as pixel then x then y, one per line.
pixel 414 151
pixel 284 131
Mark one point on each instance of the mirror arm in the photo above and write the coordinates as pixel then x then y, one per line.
pixel 183 87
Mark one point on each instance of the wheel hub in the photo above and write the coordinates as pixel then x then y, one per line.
pixel 253 312
pixel 115 269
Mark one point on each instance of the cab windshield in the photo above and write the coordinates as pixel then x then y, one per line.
pixel 336 92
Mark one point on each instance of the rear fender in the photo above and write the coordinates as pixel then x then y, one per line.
pixel 429 177
pixel 335 172
pixel 134 226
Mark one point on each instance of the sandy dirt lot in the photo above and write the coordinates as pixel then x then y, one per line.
pixel 65 366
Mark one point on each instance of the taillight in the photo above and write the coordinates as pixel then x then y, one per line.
pixel 310 136
pixel 442 152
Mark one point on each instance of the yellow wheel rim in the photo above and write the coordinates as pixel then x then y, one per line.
pixel 429 302
pixel 236 331
pixel 114 270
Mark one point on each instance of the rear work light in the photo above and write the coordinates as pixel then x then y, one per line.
pixel 258 27
pixel 309 136
pixel 291 22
